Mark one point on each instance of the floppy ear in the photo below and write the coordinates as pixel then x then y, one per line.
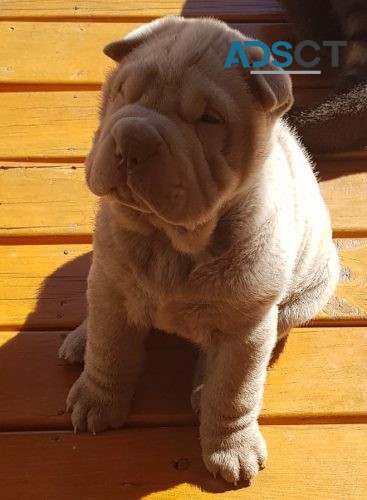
pixel 118 49
pixel 274 91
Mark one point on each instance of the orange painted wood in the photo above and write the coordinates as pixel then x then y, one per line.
pixel 76 51
pixel 319 377
pixel 45 199
pixel 34 397
pixel 43 286
pixel 52 199
pixel 343 184
pixel 327 461
pixel 47 124
pixel 350 299
pixel 253 10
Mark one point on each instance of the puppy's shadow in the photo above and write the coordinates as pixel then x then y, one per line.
pixel 61 300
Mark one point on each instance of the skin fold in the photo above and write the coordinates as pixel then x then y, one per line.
pixel 211 226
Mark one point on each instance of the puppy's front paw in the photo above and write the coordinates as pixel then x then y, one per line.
pixel 238 456
pixel 73 347
pixel 92 409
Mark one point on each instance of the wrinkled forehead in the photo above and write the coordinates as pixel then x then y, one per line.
pixel 183 45
pixel 186 62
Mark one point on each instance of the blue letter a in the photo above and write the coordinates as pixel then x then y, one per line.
pixel 237 48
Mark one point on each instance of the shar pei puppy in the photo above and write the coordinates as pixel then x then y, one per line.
pixel 211 226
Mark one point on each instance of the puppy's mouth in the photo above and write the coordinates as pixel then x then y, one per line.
pixel 125 197
pixel 128 199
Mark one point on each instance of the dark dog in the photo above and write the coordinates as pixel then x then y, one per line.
pixel 340 122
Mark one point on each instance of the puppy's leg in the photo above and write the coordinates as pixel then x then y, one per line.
pixel 232 444
pixel 101 397
pixel 73 347
pixel 305 304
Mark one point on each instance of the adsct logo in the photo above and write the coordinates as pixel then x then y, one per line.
pixel 282 50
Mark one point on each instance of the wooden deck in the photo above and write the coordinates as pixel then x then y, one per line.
pixel 315 410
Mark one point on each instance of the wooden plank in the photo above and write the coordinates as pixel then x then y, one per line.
pixel 76 51
pixel 45 200
pixel 47 124
pixel 344 186
pixel 251 10
pixel 305 462
pixel 74 48
pixel 32 400
pixel 350 300
pixel 312 358
pixel 43 286
pixel 57 125
pixel 52 199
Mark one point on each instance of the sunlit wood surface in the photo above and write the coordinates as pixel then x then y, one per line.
pixel 315 408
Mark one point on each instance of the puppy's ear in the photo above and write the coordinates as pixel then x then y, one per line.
pixel 274 91
pixel 118 49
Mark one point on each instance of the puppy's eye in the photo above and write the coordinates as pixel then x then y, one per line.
pixel 122 89
pixel 210 117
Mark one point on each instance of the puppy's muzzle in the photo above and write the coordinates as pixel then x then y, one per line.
pixel 136 142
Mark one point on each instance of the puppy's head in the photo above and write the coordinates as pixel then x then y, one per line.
pixel 179 133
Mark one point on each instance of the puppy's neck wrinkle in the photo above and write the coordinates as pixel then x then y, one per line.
pixel 187 242
pixel 148 256
pixel 127 219
pixel 149 227
pixel 216 237
pixel 237 222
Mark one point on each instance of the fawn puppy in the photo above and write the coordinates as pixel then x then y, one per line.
pixel 211 226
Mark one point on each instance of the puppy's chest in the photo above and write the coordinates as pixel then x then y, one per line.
pixel 175 301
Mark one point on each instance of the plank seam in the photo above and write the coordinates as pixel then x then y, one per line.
pixel 338 324
pixel 270 18
pixel 87 238
pixel 192 422
pixel 13 87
